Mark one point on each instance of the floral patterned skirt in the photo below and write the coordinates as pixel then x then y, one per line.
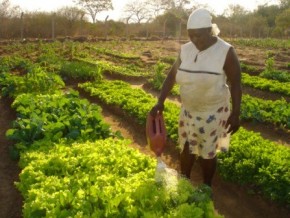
pixel 205 132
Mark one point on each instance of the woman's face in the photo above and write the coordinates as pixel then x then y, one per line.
pixel 200 37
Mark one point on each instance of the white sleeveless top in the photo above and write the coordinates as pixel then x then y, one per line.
pixel 201 76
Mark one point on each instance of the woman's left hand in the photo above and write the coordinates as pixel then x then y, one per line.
pixel 233 123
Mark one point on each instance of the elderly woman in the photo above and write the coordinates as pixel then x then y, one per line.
pixel 207 118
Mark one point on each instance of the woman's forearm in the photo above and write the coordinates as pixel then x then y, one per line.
pixel 166 87
pixel 169 81
pixel 236 95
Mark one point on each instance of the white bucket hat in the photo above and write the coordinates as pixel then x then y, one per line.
pixel 201 18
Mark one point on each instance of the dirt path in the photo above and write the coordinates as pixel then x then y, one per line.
pixel 10 198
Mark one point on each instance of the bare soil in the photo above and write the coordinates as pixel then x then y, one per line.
pixel 10 198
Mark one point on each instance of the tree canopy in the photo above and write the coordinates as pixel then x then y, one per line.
pixel 93 7
pixel 144 18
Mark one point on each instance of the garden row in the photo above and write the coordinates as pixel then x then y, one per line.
pixel 268 43
pixel 266 84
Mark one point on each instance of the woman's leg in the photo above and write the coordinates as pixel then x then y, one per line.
pixel 208 169
pixel 186 161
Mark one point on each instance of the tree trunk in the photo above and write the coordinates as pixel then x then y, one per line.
pixel 53 27
pixel 22 27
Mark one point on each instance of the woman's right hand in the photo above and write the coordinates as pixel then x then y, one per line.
pixel 157 108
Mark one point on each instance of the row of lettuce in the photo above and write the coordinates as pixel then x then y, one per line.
pixel 73 165
pixel 268 43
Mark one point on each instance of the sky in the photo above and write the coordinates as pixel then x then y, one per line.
pixel 52 5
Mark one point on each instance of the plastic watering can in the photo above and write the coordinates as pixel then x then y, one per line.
pixel 156 133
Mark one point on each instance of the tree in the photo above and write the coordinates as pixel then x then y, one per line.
pixel 137 11
pixel 284 4
pixel 237 13
pixel 93 7
pixel 168 15
pixel 7 12
pixel 255 26
pixel 225 25
pixel 157 7
pixel 170 24
pixel 270 13
pixel 180 4
pixel 283 21
pixel 178 7
pixel 70 16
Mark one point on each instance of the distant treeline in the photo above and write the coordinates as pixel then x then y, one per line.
pixel 170 22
